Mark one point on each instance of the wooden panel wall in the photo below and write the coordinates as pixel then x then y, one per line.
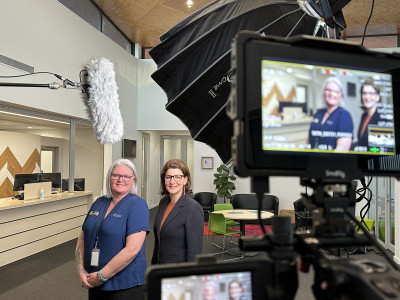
pixel 19 153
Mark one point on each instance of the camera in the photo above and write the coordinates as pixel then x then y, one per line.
pixel 276 104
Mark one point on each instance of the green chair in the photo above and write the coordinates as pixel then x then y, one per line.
pixel 217 226
pixel 226 206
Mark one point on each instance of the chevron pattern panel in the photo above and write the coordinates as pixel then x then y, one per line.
pixel 271 100
pixel 19 153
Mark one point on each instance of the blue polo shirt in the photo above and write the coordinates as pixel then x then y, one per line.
pixel 130 215
pixel 324 136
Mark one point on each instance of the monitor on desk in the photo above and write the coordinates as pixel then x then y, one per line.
pixel 21 179
pixel 55 179
pixel 79 184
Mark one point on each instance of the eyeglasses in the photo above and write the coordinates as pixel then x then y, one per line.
pixel 333 92
pixel 368 93
pixel 176 177
pixel 123 177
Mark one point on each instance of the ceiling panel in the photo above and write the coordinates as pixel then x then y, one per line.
pixel 143 21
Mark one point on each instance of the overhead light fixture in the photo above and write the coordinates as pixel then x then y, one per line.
pixel 32 117
pixel 189 3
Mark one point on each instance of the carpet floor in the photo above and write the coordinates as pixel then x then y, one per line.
pixel 250 230
pixel 51 274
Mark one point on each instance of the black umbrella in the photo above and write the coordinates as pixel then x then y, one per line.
pixel 195 72
pixel 197 24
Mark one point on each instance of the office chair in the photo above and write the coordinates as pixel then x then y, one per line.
pixel 249 201
pixel 217 226
pixel 226 206
pixel 207 201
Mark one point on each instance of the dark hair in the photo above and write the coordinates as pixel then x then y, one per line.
pixel 175 164
pixel 235 280
pixel 370 82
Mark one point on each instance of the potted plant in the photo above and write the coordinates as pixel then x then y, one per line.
pixel 224 182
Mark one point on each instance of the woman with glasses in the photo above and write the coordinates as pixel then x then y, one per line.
pixel 370 99
pixel 110 252
pixel 235 289
pixel 179 222
pixel 332 126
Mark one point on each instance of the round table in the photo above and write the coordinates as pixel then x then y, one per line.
pixel 243 215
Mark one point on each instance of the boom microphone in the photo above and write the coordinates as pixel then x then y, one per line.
pixel 101 100
pixel 100 97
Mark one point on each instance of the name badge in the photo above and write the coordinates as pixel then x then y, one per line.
pixel 94 262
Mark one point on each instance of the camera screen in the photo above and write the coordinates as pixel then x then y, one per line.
pixel 313 108
pixel 235 285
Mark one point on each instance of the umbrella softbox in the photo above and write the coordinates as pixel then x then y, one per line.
pixel 193 60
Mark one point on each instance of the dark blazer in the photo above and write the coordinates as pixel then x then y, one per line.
pixel 181 236
pixel 375 119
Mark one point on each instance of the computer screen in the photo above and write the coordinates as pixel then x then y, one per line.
pixel 21 179
pixel 79 184
pixel 55 179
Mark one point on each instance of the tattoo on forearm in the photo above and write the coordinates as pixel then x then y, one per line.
pixel 78 261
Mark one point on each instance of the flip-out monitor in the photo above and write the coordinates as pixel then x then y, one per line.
pixel 270 70
pixel 192 280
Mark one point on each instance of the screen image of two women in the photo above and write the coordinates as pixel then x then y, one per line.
pixel 332 126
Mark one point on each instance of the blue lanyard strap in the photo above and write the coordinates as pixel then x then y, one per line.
pixel 99 225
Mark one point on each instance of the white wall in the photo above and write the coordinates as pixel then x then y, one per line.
pixel 152 101
pixel 48 36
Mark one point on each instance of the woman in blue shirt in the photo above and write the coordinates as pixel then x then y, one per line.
pixel 110 249
pixel 332 126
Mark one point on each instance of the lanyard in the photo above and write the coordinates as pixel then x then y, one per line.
pixel 99 225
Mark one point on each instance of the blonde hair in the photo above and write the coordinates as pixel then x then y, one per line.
pixel 121 162
pixel 339 84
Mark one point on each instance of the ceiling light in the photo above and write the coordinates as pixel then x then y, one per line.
pixel 32 117
pixel 189 3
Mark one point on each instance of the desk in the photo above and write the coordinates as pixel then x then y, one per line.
pixel 243 215
pixel 28 227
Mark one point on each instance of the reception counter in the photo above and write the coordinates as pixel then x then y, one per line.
pixel 31 226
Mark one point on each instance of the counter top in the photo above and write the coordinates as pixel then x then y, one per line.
pixel 10 203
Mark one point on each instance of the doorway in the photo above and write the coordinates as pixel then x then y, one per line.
pixel 178 146
pixel 382 210
pixel 49 157
pixel 145 164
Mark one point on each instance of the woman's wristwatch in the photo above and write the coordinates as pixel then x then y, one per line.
pixel 101 277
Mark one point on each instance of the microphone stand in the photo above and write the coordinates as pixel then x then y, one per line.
pixel 68 84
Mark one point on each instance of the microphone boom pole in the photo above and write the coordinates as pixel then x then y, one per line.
pixel 52 85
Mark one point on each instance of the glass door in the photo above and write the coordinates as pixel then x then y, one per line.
pixel 384 212
pixel 390 225
pixel 177 146
pixel 145 164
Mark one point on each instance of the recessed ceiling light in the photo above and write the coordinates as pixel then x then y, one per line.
pixel 189 3
pixel 29 127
